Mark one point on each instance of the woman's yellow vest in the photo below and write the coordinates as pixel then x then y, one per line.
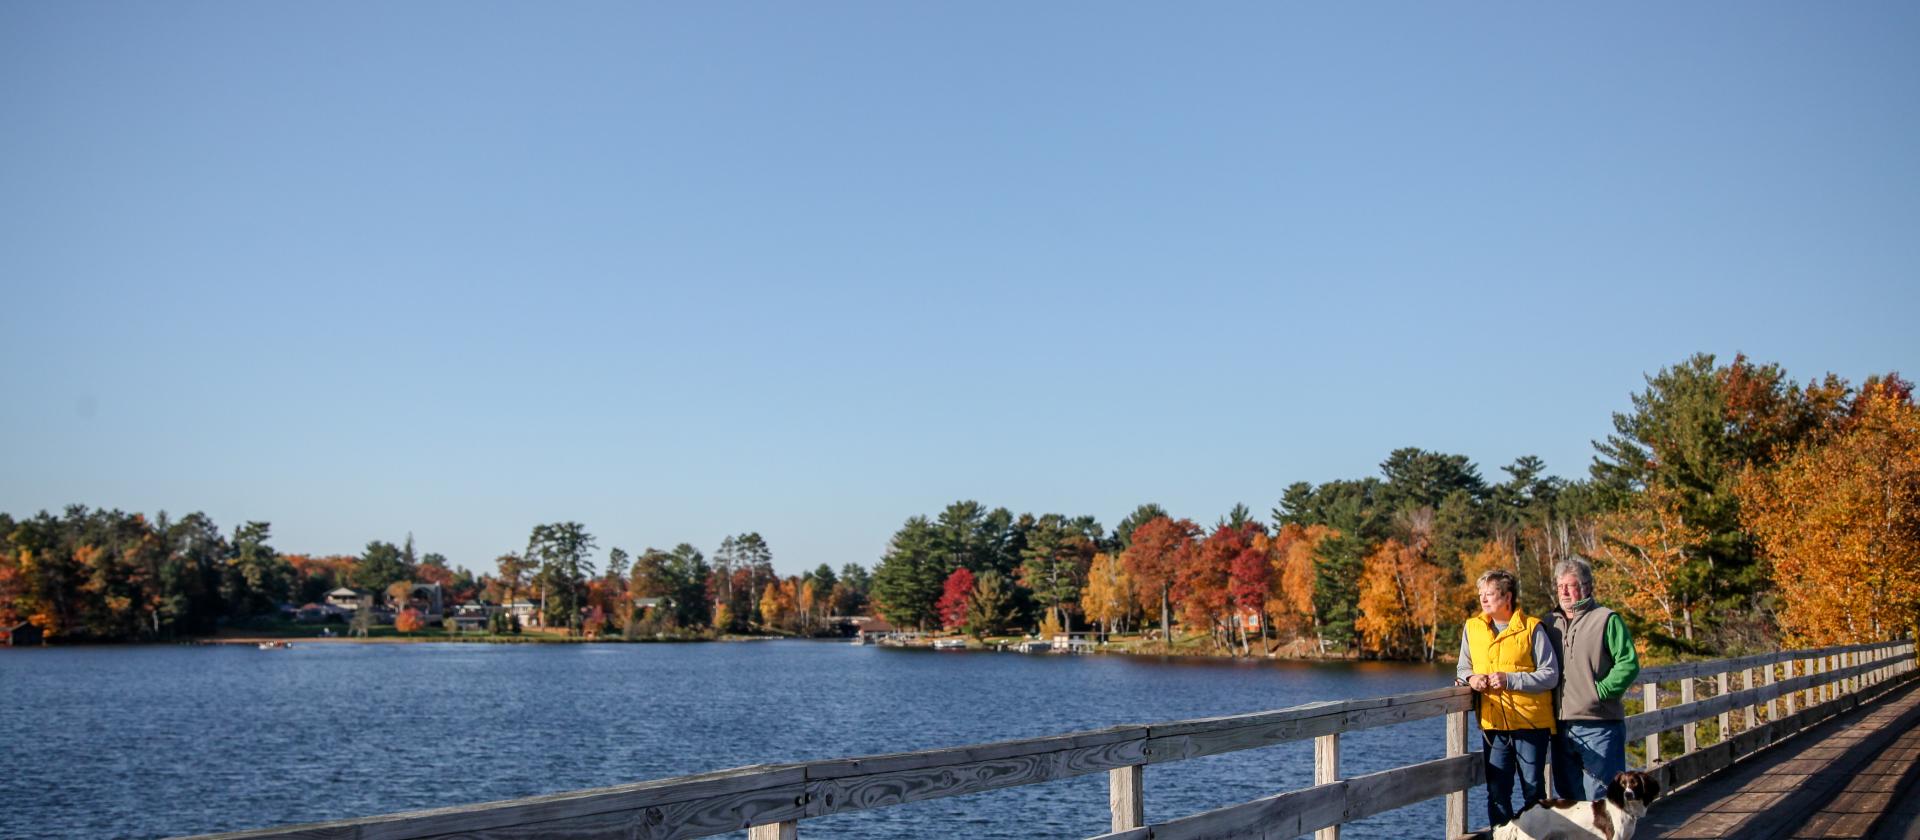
pixel 1509 652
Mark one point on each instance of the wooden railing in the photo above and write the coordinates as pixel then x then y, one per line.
pixel 771 800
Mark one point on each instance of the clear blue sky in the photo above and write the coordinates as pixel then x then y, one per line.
pixel 679 271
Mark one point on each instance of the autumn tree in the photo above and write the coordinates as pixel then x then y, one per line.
pixel 1403 597
pixel 1249 581
pixel 954 598
pixel 1203 582
pixel 1108 597
pixel 409 621
pixel 1290 591
pixel 1158 550
pixel 1840 522
pixel 777 605
pixel 1643 560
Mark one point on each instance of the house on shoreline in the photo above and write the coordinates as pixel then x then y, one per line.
pixel 23 634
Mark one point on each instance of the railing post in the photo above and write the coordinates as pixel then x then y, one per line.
pixel 1457 800
pixel 1727 718
pixel 1793 697
pixel 1650 701
pixel 1752 718
pixel 788 830
pixel 1326 769
pixel 1689 730
pixel 1127 796
pixel 1773 703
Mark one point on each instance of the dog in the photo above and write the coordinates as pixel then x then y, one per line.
pixel 1610 818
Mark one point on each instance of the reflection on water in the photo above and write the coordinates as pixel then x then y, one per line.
pixel 155 741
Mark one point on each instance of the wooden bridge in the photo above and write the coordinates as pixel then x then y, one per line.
pixel 1727 712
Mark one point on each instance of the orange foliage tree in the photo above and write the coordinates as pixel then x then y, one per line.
pixel 409 621
pixel 1840 522
pixel 1202 582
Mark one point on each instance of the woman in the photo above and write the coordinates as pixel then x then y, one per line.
pixel 1508 658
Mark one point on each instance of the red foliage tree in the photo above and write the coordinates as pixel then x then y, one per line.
pixel 1160 546
pixel 1249 580
pixel 955 598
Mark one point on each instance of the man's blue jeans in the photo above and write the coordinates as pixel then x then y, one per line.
pixel 1507 753
pixel 1587 754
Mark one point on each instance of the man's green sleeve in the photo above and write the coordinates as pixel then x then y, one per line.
pixel 1626 663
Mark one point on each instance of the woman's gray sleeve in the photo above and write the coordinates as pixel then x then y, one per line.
pixel 1464 669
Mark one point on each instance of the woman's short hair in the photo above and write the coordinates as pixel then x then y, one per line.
pixel 1503 582
pixel 1578 567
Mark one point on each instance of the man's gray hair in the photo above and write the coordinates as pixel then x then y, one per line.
pixel 1578 567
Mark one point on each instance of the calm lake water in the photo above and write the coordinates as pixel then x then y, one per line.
pixel 159 741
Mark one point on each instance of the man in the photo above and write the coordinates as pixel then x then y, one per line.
pixel 1600 665
pixel 1507 656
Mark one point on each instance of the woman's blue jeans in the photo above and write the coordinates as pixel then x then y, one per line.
pixel 1511 752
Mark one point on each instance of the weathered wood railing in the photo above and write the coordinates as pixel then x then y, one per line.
pixel 771 800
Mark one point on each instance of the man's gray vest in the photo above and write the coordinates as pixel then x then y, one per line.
pixel 1584 660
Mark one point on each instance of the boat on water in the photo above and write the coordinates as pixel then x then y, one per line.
pixel 275 645
pixel 949 644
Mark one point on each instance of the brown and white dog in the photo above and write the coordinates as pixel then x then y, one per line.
pixel 1610 818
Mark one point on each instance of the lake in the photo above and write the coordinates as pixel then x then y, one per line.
pixel 158 741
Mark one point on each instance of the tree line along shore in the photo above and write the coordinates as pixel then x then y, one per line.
pixel 1732 509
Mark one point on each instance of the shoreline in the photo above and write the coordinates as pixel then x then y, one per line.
pixel 997 645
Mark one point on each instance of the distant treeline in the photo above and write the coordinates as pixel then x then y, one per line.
pixel 106 575
pixel 1731 509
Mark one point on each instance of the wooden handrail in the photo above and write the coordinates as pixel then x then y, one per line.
pixel 772 799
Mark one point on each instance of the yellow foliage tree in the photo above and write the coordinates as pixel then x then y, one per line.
pixel 1401 593
pixel 1108 596
pixel 1290 601
pixel 808 604
pixel 776 605
pixel 1641 556
pixel 1050 625
pixel 1840 522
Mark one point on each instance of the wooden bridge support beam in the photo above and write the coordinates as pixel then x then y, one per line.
pixel 1691 731
pixel 785 830
pixel 1650 701
pixel 1127 796
pixel 1326 769
pixel 1456 801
